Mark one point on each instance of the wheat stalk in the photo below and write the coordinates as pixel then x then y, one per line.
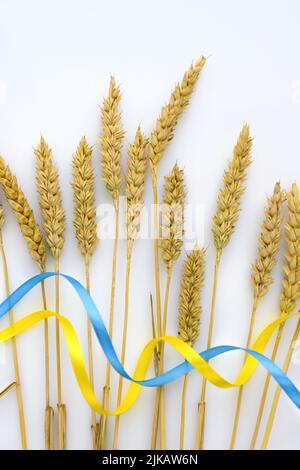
pixel 53 215
pixel 134 189
pixel 289 296
pixel 161 136
pixel 261 273
pixel 189 312
pixel 13 341
pixel 36 247
pixel 172 230
pixel 85 226
pixel 111 140
pixel 223 225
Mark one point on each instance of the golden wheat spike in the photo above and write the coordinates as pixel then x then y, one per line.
pixel 85 223
pixel 50 200
pixel 24 215
pixel 229 199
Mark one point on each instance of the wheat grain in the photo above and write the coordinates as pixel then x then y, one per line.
pixel 170 113
pixel 84 199
pixel 268 245
pixel 291 282
pixel 172 227
pixel 229 199
pixel 24 215
pixel 135 183
pixel 50 198
pixel 189 299
pixel 111 140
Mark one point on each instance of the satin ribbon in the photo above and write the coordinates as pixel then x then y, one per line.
pixel 193 360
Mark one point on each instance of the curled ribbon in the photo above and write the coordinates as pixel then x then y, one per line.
pixel 193 360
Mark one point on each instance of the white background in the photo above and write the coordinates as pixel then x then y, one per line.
pixel 55 61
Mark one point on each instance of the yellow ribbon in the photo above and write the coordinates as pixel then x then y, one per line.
pixel 144 360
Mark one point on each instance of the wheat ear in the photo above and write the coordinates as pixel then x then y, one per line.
pixel 24 215
pixel 190 312
pixel 261 273
pixel 85 226
pixel 54 225
pixel 223 225
pixel 161 136
pixel 172 230
pixel 289 297
pixel 134 190
pixel 170 113
pixel 36 247
pixel 111 140
pixel 13 341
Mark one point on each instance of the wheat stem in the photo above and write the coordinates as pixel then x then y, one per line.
pixel 14 352
pixel 7 389
pixel 60 406
pixel 241 389
pixel 265 391
pixel 49 412
pixel 202 404
pixel 90 349
pixel 125 327
pixel 156 368
pixel 157 286
pixel 275 401
pixel 161 390
pixel 106 389
pixel 183 406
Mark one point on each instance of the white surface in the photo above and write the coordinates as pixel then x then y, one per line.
pixel 55 58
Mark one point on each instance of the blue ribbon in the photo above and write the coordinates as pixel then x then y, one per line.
pixel 104 340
